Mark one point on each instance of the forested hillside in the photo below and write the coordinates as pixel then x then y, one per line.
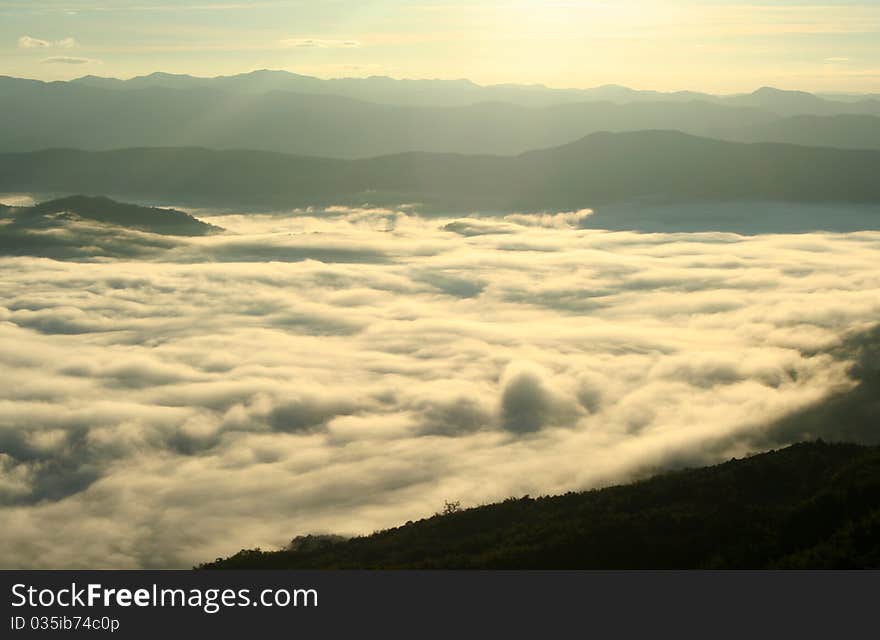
pixel 813 505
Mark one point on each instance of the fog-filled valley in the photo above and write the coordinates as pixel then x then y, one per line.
pixel 347 369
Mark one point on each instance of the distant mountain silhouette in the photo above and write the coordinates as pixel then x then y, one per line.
pixel 808 506
pixel 40 116
pixel 603 168
pixel 802 103
pixel 841 131
pixel 385 90
pixel 444 93
pixel 277 111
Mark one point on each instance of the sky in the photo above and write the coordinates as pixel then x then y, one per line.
pixel 708 45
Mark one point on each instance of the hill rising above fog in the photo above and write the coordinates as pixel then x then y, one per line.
pixel 807 506
pixel 655 166
pixel 107 211
pixel 85 227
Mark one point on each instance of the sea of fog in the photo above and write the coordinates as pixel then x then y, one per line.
pixel 350 370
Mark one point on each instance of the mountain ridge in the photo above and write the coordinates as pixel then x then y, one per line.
pixel 283 76
pixel 307 119
pixel 598 169
pixel 809 505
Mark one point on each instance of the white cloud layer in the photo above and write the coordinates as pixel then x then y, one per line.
pixel 348 370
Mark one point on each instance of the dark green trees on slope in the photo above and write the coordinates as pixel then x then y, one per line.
pixel 807 506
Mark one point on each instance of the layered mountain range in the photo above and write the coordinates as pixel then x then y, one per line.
pixel 358 118
pixel 648 166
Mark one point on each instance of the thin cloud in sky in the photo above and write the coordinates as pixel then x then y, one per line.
pixel 318 43
pixel 28 42
pixel 69 60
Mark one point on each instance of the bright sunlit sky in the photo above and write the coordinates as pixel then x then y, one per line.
pixel 709 45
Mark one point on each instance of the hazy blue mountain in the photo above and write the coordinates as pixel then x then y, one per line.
pixel 68 115
pixel 382 89
pixel 385 90
pixel 843 131
pixel 603 168
pixel 794 102
pixel 849 97
pixel 235 113
pixel 790 103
